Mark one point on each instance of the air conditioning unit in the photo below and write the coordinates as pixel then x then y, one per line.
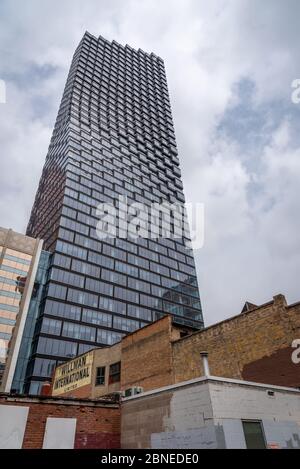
pixel 132 391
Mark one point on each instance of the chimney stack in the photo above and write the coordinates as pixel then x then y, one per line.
pixel 204 356
pixel 46 389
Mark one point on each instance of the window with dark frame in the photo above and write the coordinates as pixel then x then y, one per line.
pixel 100 376
pixel 114 373
pixel 254 434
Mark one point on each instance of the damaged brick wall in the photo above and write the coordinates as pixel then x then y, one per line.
pixel 97 426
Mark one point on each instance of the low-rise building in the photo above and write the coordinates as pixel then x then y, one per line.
pixel 143 357
pixel 91 375
pixel 50 423
pixel 255 345
pixel 170 397
pixel 212 413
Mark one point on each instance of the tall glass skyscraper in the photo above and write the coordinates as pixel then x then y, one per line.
pixel 113 138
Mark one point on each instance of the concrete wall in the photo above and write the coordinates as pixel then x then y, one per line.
pixel 176 419
pixel 280 414
pixel 254 346
pixel 208 414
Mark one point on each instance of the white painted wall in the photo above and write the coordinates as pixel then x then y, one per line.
pixel 209 414
pixel 13 421
pixel 280 414
pixel 190 423
pixel 59 433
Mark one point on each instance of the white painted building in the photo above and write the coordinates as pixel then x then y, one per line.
pixel 212 412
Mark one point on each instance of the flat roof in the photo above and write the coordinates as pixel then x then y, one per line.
pixel 213 379
pixel 100 402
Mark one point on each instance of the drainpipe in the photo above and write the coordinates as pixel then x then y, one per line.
pixel 204 357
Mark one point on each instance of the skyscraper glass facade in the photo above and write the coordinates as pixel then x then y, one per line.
pixel 113 138
pixel 22 375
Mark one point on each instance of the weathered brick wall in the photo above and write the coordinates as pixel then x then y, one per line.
pixel 254 346
pixel 83 392
pixel 105 357
pixel 98 426
pixel 147 357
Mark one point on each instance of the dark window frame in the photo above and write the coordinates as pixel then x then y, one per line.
pixel 100 376
pixel 114 373
pixel 263 440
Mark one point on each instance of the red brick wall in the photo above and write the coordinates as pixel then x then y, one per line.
pixel 83 392
pixel 98 427
pixel 277 368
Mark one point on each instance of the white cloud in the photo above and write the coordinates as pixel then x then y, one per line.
pixel 252 242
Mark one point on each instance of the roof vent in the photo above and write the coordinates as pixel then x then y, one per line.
pixel 204 356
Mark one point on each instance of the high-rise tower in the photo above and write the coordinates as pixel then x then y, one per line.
pixel 113 137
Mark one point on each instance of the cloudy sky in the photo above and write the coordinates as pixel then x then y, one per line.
pixel 230 65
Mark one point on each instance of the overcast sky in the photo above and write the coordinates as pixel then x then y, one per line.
pixel 230 65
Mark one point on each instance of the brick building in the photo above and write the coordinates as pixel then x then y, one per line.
pixel 43 422
pixel 142 358
pixel 255 345
pixel 233 408
pixel 89 380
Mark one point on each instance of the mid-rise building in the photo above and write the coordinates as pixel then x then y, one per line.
pixel 19 259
